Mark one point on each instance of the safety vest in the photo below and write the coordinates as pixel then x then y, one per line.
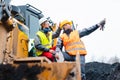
pixel 73 44
pixel 45 41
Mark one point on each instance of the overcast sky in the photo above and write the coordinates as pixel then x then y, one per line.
pixel 100 45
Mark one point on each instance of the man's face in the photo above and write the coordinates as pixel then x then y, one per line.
pixel 67 26
pixel 45 24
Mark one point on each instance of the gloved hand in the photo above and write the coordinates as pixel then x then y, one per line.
pixel 57 56
pixel 51 51
pixel 101 24
pixel 60 26
pixel 53 27
pixel 54 54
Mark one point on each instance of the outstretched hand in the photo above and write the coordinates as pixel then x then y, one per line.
pixel 101 24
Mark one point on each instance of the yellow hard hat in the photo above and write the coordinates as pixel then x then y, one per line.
pixel 65 22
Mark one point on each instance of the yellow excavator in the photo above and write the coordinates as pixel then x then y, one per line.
pixel 18 26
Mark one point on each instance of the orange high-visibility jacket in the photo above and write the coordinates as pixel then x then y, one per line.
pixel 73 44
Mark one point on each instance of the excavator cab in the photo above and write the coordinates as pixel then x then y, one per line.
pixel 31 16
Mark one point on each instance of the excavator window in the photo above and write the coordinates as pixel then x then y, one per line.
pixel 32 16
pixel 34 26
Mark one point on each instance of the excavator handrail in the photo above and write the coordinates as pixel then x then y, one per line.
pixel 21 24
pixel 30 6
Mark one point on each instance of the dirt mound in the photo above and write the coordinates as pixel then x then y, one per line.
pixel 102 71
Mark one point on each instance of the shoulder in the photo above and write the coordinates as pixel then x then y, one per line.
pixel 39 32
pixel 76 31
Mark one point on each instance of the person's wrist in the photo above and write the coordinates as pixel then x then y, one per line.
pixel 98 25
pixel 49 50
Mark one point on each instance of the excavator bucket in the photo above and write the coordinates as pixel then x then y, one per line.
pixel 39 68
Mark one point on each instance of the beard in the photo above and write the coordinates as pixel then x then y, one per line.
pixel 46 30
pixel 68 31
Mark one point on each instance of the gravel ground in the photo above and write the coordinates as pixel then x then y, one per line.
pixel 102 71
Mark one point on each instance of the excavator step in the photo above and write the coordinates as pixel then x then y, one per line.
pixel 32 60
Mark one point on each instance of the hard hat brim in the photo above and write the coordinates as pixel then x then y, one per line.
pixel 66 22
pixel 42 20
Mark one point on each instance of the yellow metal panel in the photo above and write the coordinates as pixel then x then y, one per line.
pixel 20 43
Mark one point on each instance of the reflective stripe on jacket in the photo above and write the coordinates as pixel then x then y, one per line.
pixel 73 44
pixel 45 41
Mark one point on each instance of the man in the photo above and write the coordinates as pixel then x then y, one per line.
pixel 71 40
pixel 43 40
